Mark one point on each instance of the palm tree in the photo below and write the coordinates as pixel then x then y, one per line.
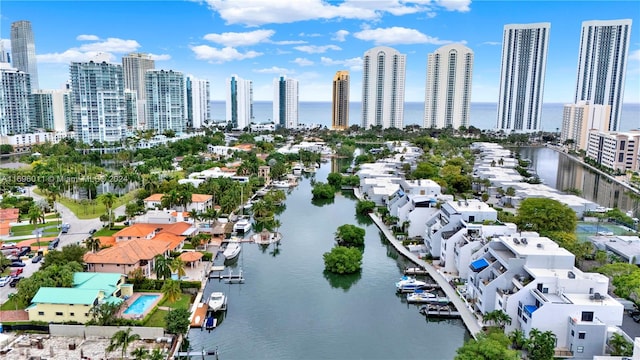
pixel 121 340
pixel 108 199
pixel 156 354
pixel 93 244
pixel 170 199
pixel 171 290
pixel 195 215
pixel 518 340
pixel 620 346
pixel 161 267
pixel 140 353
pixel 34 214
pixel 177 265
pixel 498 317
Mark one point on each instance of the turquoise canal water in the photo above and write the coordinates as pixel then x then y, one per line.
pixel 288 308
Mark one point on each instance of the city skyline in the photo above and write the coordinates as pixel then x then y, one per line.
pixel 311 40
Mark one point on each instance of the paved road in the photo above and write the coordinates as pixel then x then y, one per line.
pixel 79 230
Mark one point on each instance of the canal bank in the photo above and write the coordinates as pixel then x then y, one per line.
pixel 289 308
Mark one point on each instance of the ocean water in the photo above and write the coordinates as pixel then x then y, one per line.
pixel 483 115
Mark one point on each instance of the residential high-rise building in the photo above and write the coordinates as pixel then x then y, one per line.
pixel 447 101
pixel 239 102
pixel 198 97
pixel 4 54
pixel 602 64
pixel 383 79
pixel 98 101
pixel 614 150
pixel 135 65
pixel 49 109
pixel 524 63
pixel 166 101
pixel 340 103
pixel 15 91
pixel 23 50
pixel 578 119
pixel 131 106
pixel 285 102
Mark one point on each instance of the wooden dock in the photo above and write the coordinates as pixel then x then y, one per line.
pixel 436 311
pixel 199 315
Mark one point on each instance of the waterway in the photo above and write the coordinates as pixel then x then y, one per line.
pixel 288 308
pixel 562 172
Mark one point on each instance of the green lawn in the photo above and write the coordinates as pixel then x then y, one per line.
pixel 95 209
pixel 11 304
pixel 183 302
pixel 105 232
pixel 22 230
pixel 157 319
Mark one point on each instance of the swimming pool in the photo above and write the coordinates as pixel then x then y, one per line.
pixel 141 305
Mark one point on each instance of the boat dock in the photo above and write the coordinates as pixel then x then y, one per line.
pixel 436 311
pixel 469 319
pixel 199 315
pixel 229 278
pixel 196 354
pixel 415 271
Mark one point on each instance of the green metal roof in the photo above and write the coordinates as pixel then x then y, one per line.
pixel 52 295
pixel 106 282
pixel 112 300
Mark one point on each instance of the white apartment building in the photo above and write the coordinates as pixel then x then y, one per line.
pixel 524 63
pixel 166 101
pixel 134 66
pixel 447 100
pixel 239 102
pixel 413 202
pixel 578 119
pixel 15 89
pixel 24 142
pixel 534 281
pixel 198 97
pixel 615 150
pixel 285 102
pixel 602 64
pixel 50 109
pixel 383 87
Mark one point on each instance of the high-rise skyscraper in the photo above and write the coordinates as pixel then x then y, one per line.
pixel 602 64
pixel 23 50
pixel 285 102
pixel 239 104
pixel 524 63
pixel 98 101
pixel 131 106
pixel 383 78
pixel 15 91
pixel 166 101
pixel 49 109
pixel 4 54
pixel 340 103
pixel 447 99
pixel 198 96
pixel 135 65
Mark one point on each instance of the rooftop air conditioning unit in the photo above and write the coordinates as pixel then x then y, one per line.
pixel 539 246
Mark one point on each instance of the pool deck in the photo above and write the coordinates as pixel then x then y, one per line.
pixel 132 299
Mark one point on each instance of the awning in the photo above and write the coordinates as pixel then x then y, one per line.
pixel 479 264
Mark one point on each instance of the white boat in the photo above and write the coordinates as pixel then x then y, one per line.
pixel 281 184
pixel 297 169
pixel 232 250
pixel 216 301
pixel 242 226
pixel 266 237
pixel 409 284
pixel 420 296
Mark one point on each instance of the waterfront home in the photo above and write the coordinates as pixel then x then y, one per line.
pixel 197 178
pixel 125 257
pixel 149 231
pixel 525 190
pixel 57 305
pixel 535 282
pixel 412 210
pixel 316 147
pixel 199 202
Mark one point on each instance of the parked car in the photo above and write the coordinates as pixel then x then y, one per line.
pixel 36 259
pixel 92 231
pixel 15 281
pixel 54 244
pixel 15 272
pixel 4 280
pixel 24 251
pixel 17 264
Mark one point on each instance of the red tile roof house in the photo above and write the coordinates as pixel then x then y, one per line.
pixel 136 247
pixel 199 202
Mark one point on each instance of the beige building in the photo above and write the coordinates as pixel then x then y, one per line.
pixel 340 103
pixel 615 150
pixel 578 119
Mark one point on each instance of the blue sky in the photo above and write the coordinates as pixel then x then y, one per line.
pixel 310 40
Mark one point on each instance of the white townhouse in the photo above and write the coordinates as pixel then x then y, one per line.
pixel 535 282
pixel 414 202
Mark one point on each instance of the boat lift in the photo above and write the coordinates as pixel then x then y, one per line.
pixel 210 354
pixel 229 278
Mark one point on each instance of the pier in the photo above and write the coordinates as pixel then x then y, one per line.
pixel 199 315
pixel 467 316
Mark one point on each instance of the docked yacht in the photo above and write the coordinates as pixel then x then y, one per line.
pixel 242 226
pixel 421 296
pixel 409 284
pixel 217 301
pixel 281 184
pixel 232 251
pixel 297 169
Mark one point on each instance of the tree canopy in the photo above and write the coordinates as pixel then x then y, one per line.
pixel 489 346
pixel 545 215
pixel 350 235
pixel 343 260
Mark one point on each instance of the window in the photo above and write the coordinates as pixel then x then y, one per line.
pixel 41 313
pixel 580 349
pixel 572 333
pixel 587 316
pixel 72 314
pixel 58 313
pixel 582 335
pixel 86 314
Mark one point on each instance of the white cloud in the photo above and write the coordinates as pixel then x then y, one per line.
pixel 317 49
pixel 160 57
pixel 340 35
pixel 353 64
pixel 5 44
pixel 260 12
pixel 398 35
pixel 303 62
pixel 87 38
pixel 215 55
pixel 235 39
pixel 274 70
pixel 455 5
pixel 289 42
pixel 72 55
pixel 492 43
pixel 111 45
pixel 635 55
